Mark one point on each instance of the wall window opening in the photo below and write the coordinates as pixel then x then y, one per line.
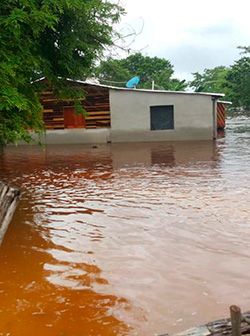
pixel 162 117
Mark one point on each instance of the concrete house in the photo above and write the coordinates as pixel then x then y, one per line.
pixel 131 115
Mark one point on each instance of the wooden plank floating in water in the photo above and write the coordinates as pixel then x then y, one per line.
pixel 9 198
pixel 238 324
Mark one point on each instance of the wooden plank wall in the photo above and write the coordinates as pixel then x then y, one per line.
pixel 96 105
pixel 52 111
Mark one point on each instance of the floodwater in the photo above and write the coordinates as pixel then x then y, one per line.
pixel 126 239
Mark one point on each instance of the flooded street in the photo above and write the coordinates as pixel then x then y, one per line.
pixel 126 239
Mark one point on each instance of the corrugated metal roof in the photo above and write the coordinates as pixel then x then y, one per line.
pixel 226 102
pixel 215 95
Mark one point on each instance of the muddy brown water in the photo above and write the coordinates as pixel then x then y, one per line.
pixel 126 239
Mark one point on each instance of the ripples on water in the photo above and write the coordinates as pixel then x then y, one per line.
pixel 126 239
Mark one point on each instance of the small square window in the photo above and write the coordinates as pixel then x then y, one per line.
pixel 162 117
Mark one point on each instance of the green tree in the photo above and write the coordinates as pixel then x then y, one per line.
pixel 57 39
pixel 211 80
pixel 238 80
pixel 112 71
pixel 148 68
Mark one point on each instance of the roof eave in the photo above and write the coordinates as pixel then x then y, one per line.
pixel 214 95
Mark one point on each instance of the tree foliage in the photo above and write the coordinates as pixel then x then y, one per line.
pixel 211 80
pixel 148 68
pixel 57 39
pixel 233 81
pixel 238 80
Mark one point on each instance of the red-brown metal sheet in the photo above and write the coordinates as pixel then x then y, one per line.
pixel 221 116
pixel 73 119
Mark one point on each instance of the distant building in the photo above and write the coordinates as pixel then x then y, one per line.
pixel 131 115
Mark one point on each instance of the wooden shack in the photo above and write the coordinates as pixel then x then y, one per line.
pixel 60 114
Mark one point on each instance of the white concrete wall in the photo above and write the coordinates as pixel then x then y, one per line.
pixel 130 116
pixel 75 136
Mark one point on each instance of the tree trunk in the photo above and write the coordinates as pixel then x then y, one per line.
pixel 9 198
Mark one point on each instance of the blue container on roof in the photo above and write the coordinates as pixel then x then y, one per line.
pixel 133 82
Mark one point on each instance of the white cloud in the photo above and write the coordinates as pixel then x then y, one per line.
pixel 193 34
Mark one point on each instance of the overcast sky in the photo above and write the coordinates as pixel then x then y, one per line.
pixel 192 34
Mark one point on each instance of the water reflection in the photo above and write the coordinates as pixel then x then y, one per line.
pixel 126 238
pixel 102 159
